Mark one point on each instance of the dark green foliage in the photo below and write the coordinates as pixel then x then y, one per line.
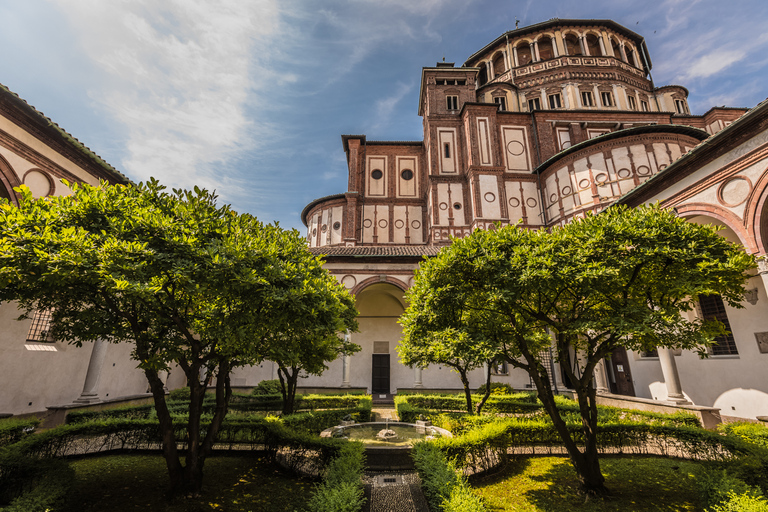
pixel 13 430
pixel 180 394
pixel 29 484
pixel 443 488
pixel 342 487
pixel 497 388
pixel 267 387
pixel 749 432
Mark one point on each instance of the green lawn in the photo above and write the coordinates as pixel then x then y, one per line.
pixel 549 484
pixel 118 483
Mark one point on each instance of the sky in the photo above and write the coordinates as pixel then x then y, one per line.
pixel 250 98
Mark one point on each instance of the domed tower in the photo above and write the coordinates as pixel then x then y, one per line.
pixel 543 123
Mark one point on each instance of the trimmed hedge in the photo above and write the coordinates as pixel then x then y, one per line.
pixel 443 488
pixel 33 485
pixel 410 407
pixel 238 403
pixel 13 430
pixel 747 431
pixel 342 487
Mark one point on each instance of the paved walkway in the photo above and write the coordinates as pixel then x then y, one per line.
pixel 381 412
pixel 398 491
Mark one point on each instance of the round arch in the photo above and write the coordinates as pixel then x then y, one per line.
pixel 8 181
pixel 721 216
pixel 756 214
pixel 362 285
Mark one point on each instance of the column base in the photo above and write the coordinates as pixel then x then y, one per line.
pixel 346 385
pixel 678 400
pixel 87 399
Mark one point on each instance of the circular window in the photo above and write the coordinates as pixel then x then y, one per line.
pixel 336 225
pixel 314 232
pixel 377 174
pixel 324 228
pixel 407 174
pixel 457 206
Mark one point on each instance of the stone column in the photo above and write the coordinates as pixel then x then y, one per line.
pixel 536 50
pixel 671 377
pixel 514 56
pixel 584 49
pixel 417 377
pixel 346 361
pixel 490 71
pixel 98 353
pixel 601 379
pixel 274 370
pixel 623 54
pixel 566 103
pixel 602 46
pixel 762 270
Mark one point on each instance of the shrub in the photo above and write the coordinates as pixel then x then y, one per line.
pixel 268 387
pixel 33 485
pixel 342 487
pixel 13 430
pixel 744 502
pixel 180 394
pixel 749 432
pixel 443 488
pixel 497 388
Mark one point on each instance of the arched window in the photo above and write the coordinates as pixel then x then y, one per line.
pixel 630 54
pixel 572 46
pixel 499 65
pixel 482 76
pixel 524 54
pixel 545 48
pixel 616 49
pixel 593 45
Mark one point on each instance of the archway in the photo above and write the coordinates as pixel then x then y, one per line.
pixel 376 366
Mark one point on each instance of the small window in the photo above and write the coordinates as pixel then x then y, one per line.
pixel 712 308
pixel 644 106
pixel 534 104
pixel 336 225
pixel 407 174
pixel 40 330
pixel 632 103
pixel 650 353
pixel 377 174
pixel 607 98
pixel 499 367
pixel 447 150
pixel 457 206
pixel 452 102
pixel 501 101
pixel 586 99
pixel 554 101
pixel 681 107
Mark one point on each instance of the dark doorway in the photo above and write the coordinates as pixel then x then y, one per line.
pixel 380 383
pixel 619 376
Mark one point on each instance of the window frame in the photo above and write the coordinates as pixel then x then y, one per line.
pixel 501 101
pixel 607 95
pixel 587 95
pixel 713 308
pixel 534 102
pixel 555 98
pixel 451 100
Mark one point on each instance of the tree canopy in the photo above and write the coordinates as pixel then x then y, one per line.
pixel 617 279
pixel 186 281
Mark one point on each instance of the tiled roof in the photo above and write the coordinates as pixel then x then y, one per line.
pixel 47 122
pixel 377 250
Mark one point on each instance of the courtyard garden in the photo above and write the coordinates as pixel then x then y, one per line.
pixel 508 458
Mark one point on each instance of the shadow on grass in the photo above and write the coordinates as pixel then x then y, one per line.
pixel 118 483
pixel 550 484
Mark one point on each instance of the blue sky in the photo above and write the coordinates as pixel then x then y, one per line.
pixel 250 97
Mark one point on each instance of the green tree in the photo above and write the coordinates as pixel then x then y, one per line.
pixel 617 279
pixel 185 281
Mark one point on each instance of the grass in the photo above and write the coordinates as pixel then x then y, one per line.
pixel 636 483
pixel 121 483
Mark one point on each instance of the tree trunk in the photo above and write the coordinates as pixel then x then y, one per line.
pixel 170 452
pixel 288 387
pixel 467 392
pixel 591 478
pixel 586 464
pixel 487 389
pixel 193 468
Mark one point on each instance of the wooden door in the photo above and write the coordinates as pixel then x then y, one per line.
pixel 380 383
pixel 619 375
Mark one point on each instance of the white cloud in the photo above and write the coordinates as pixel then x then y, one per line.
pixel 177 74
pixel 385 106
pixel 712 63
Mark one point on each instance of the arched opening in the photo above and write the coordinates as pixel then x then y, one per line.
pixel 572 46
pixel 593 45
pixel 546 52
pixel 8 180
pixel 4 193
pixel 499 64
pixel 376 366
pixel 524 54
pixel 482 75
pixel 630 55
pixel 616 49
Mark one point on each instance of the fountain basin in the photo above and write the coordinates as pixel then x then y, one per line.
pixel 389 454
